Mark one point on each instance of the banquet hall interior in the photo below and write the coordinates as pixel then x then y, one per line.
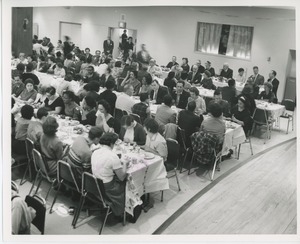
pixel 162 120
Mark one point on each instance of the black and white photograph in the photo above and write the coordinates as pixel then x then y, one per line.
pixel 162 121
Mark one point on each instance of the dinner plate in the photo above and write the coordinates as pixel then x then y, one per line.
pixel 149 156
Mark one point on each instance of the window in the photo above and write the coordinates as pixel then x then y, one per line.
pixel 228 40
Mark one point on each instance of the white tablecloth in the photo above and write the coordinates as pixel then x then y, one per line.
pixel 234 136
pixel 205 92
pixel 275 110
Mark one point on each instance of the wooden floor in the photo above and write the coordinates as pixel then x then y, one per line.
pixel 258 198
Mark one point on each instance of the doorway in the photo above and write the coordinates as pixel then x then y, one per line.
pixel 290 85
pixel 116 33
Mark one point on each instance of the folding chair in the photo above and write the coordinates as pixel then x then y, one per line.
pixel 289 114
pixel 184 150
pixel 261 118
pixel 29 147
pixel 248 140
pixel 172 161
pixel 93 189
pixel 42 172
pixel 39 205
pixel 65 176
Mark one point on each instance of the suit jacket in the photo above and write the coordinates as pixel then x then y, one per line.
pixel 259 80
pixel 183 100
pixel 275 84
pixel 201 69
pixel 229 95
pixel 196 79
pixel 108 48
pixel 190 123
pixel 212 71
pixel 227 74
pixel 162 91
pixel 103 79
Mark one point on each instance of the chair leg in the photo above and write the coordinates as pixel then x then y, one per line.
pixel 106 215
pixel 287 129
pixel 54 199
pixel 35 180
pixel 250 145
pixel 77 213
pixel 162 196
pixel 238 156
pixel 124 218
pixel 214 168
pixel 38 186
pixel 50 188
pixel 293 123
pixel 177 180
pixel 23 180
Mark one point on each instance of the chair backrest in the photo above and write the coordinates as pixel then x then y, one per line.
pixel 64 171
pixel 39 204
pixel 124 112
pixel 181 138
pixel 40 164
pixel 173 151
pixel 289 104
pixel 118 114
pixel 137 118
pixel 94 186
pixel 29 147
pixel 260 116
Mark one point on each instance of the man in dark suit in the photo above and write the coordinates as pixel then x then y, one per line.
pixel 108 46
pixel 226 71
pixel 274 81
pixel 189 121
pixel 172 63
pixel 229 93
pixel 158 92
pixel 201 68
pixel 194 77
pixel 209 68
pixel 180 96
pixel 258 79
pixel 224 104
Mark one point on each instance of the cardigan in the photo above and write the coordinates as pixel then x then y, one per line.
pixel 139 134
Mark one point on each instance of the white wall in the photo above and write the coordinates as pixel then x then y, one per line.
pixel 169 31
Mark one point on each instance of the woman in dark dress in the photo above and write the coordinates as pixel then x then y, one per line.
pixel 185 67
pixel 241 115
pixel 54 103
pixel 267 94
pixel 88 113
pixel 170 81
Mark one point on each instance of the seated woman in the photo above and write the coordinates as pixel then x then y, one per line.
pixel 41 95
pixel 106 77
pixel 214 123
pixel 170 81
pixel 200 103
pixel 51 146
pixel 131 131
pixel 241 115
pixel 28 95
pixel 155 142
pixel 18 145
pixel 146 84
pixel 107 166
pixel 207 82
pixel 131 78
pixel 42 66
pixel 246 92
pixel 80 153
pixel 53 102
pixel 88 115
pixel 267 94
pixel 59 70
pixel 72 109
pixel 104 118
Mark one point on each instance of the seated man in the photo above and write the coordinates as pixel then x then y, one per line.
pixel 164 113
pixel 142 109
pixel 189 122
pixel 206 82
pixel 172 63
pixel 91 74
pixel 124 101
pixel 51 65
pixel 226 71
pixel 229 93
pixel 154 69
pixel 17 85
pixel 158 92
pixel 209 68
pixel 224 104
pixel 194 77
pixel 180 96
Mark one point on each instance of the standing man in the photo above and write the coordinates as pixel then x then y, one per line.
pixel 143 56
pixel 258 79
pixel 274 81
pixel 124 39
pixel 108 46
